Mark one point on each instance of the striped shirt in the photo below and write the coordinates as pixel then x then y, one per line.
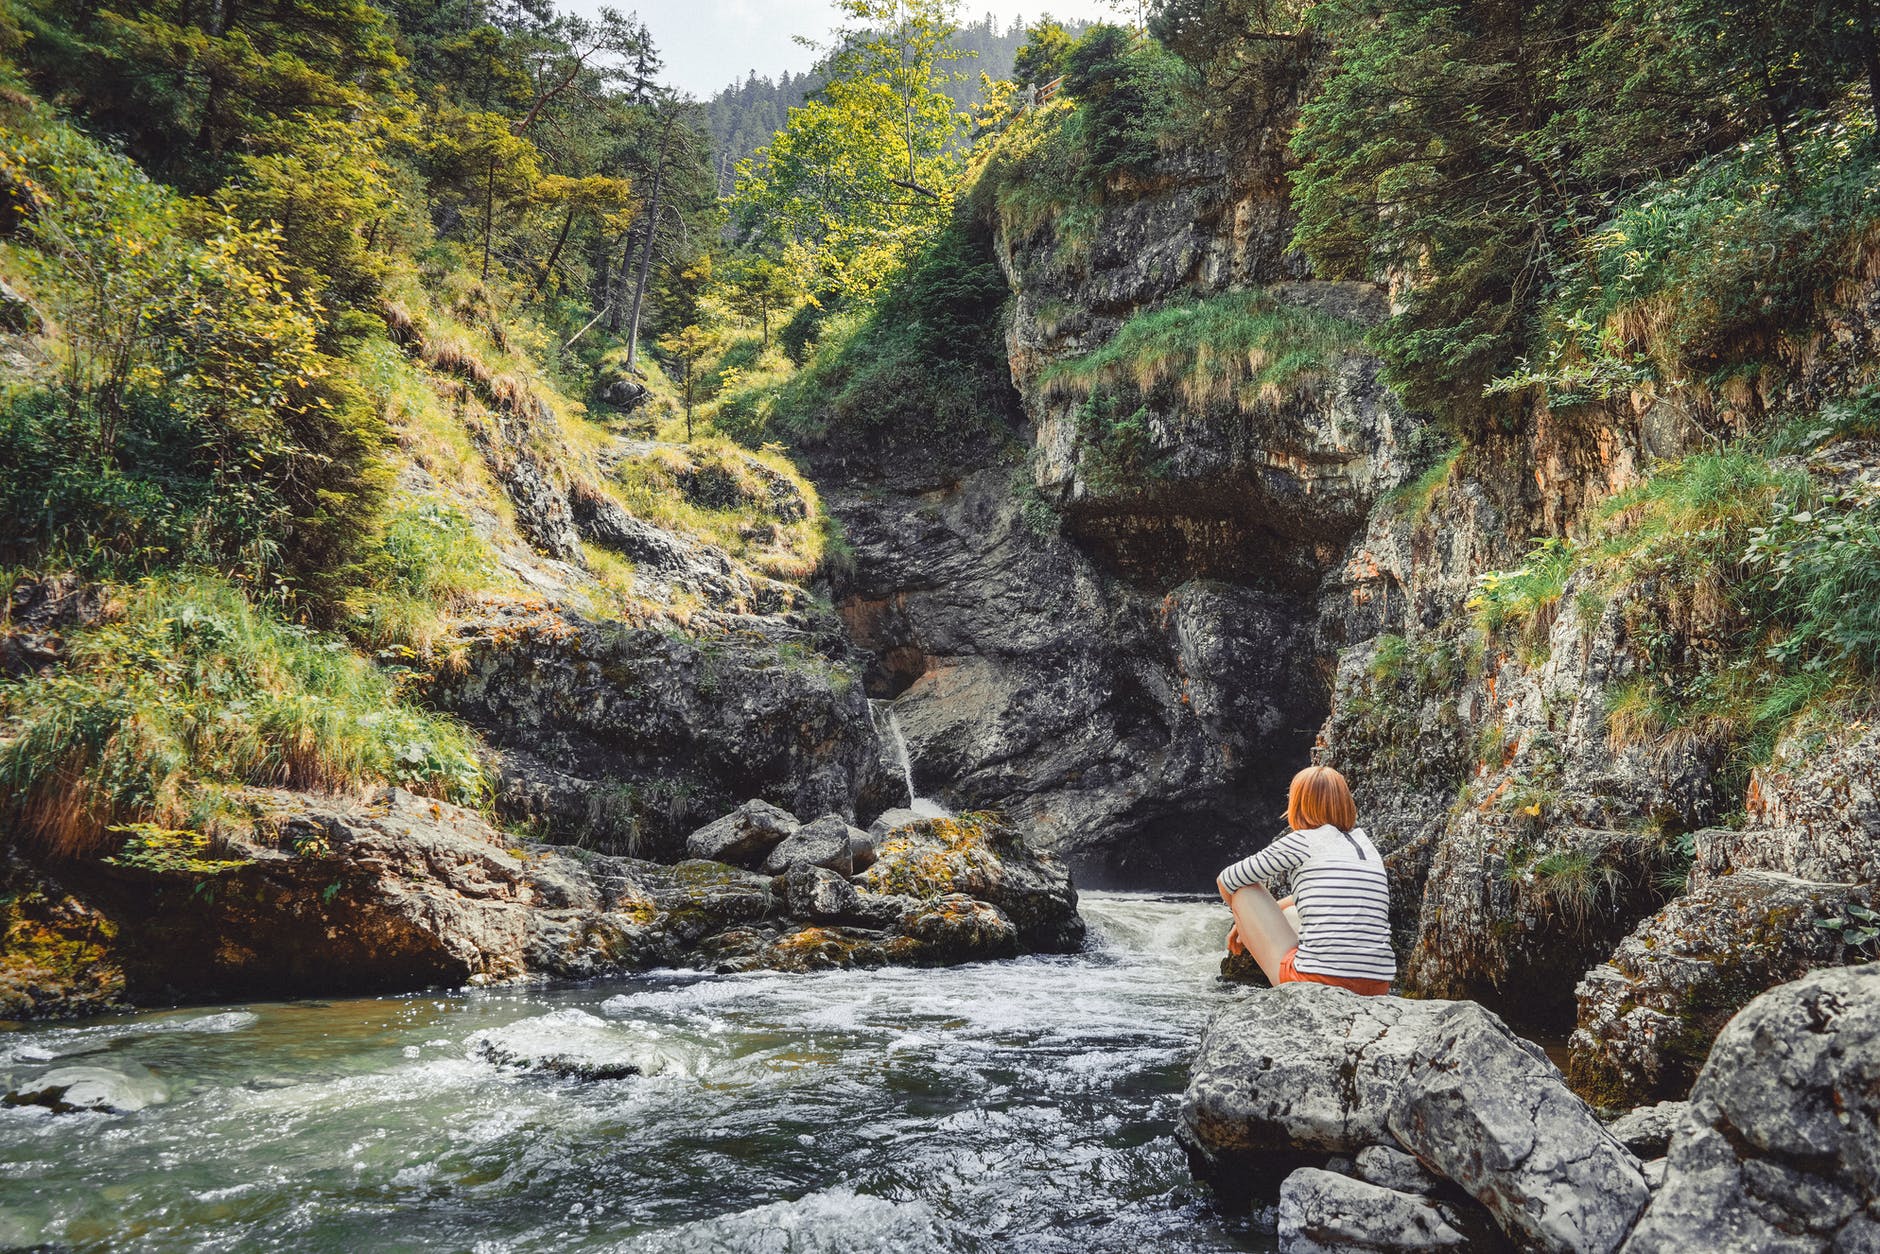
pixel 1343 898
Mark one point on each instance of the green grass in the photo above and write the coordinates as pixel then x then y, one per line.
pixel 1413 499
pixel 426 563
pixel 1235 349
pixel 755 505
pixel 189 688
pixel 1701 277
pixel 1526 600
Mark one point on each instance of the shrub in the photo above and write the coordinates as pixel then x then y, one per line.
pixel 1130 93
pixel 927 360
pixel 190 687
pixel 189 398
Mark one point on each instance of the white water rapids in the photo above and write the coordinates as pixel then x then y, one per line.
pixel 1022 1105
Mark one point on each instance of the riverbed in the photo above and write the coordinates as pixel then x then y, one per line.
pixel 1020 1105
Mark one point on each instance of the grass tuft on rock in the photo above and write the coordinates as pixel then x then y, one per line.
pixel 188 688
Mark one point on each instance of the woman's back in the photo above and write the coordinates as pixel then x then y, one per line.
pixel 1343 895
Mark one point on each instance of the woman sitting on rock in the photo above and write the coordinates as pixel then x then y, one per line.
pixel 1335 928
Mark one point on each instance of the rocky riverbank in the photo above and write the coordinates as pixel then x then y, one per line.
pixel 1385 1125
pixel 329 896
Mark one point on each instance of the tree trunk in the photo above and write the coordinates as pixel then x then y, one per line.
pixel 553 256
pixel 489 212
pixel 1870 55
pixel 646 253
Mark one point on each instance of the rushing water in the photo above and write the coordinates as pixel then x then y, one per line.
pixel 1015 1105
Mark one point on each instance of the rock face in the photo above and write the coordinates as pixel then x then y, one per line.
pixel 1766 904
pixel 649 732
pixel 1289 1076
pixel 1778 1152
pixel 1649 1014
pixel 327 896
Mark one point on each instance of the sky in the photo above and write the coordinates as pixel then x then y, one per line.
pixel 707 44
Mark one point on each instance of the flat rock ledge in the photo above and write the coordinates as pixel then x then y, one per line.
pixel 323 895
pixel 1289 1079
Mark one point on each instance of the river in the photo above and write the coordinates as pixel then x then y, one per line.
pixel 1022 1105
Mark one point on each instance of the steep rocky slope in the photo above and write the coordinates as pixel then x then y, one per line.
pixel 1202 543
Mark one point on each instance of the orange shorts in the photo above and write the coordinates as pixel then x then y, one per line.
pixel 1289 974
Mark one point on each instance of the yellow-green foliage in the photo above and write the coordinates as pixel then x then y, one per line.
pixel 188 410
pixel 754 505
pixel 1237 348
pixel 188 686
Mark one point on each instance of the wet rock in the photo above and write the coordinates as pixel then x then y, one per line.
pixel 1490 1112
pixel 58 953
pixel 826 948
pixel 122 1089
pixel 829 842
pixel 1390 1168
pixel 744 837
pixel 813 892
pixel 1779 1151
pixel 986 858
pixel 570 1045
pixel 1648 1015
pixel 957 928
pixel 1647 1131
pixel 1321 1212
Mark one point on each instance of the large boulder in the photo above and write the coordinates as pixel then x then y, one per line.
pixel 1290 1076
pixel 744 837
pixel 1322 1212
pixel 1298 1070
pixel 828 842
pixel 1781 1150
pixel 985 858
pixel 1648 1015
pixel 1488 1110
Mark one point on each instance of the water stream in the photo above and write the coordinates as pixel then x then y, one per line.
pixel 886 720
pixel 1019 1105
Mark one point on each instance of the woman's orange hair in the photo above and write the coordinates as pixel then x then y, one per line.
pixel 1320 795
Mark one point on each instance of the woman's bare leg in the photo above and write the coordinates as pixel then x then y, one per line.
pixel 1263 927
pixel 1291 912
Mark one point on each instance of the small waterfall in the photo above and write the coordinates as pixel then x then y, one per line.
pixel 887 722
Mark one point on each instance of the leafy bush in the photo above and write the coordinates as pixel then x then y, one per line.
pixel 191 414
pixel 928 359
pixel 189 687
